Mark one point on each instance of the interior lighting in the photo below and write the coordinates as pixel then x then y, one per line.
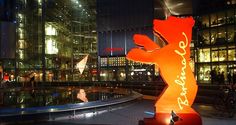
pixel 51 47
pixel 50 30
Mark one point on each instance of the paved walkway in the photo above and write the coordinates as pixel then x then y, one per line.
pixel 132 113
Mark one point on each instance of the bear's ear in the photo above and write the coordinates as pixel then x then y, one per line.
pixel 190 21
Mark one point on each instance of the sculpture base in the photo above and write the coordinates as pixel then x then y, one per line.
pixel 164 119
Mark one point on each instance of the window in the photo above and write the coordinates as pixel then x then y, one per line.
pixel 204 55
pixel 205 21
pixel 204 73
pixel 231 54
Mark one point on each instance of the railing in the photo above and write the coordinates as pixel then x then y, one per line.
pixel 51 112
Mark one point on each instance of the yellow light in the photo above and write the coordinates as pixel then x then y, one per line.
pixel 21 54
pixel 51 47
pixel 50 30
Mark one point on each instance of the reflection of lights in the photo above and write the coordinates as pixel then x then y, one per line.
pixel 88 115
pixel 20 16
pixel 139 70
pixel 103 74
pixel 39 2
pixel 167 120
pixel 22 106
pixel 21 54
pixel 21 44
pixel 122 74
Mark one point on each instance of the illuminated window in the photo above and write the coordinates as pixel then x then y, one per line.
pixel 222 54
pixel 206 37
pixel 214 54
pixel 204 73
pixel 50 30
pixel 21 54
pixel 21 44
pixel 231 54
pixel 51 46
pixel 213 36
pixel 103 61
pixel 204 55
pixel 40 2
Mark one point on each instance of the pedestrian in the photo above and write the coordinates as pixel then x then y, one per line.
pixel 218 77
pixel 229 77
pixel 234 78
pixel 213 76
pixel 222 78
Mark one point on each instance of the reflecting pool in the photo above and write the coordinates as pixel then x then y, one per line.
pixel 37 97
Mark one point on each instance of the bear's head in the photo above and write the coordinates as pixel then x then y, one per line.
pixel 170 30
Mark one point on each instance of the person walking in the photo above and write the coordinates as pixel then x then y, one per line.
pixel 222 78
pixel 234 78
pixel 213 76
pixel 229 77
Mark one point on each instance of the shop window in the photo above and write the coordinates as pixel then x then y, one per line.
pixel 204 73
pixel 204 55
pixel 222 54
pixel 214 54
pixel 231 54
pixel 108 75
pixel 220 69
pixel 121 74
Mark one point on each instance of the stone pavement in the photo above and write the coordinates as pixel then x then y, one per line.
pixel 132 113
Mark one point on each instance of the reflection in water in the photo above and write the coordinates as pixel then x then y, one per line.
pixel 24 98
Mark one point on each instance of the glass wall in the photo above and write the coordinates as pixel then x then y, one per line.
pixel 120 69
pixel 53 36
pixel 215 48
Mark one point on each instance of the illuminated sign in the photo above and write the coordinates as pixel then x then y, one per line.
pixel 114 49
pixel 173 61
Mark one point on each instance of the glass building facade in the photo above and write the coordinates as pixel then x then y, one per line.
pixel 52 37
pixel 118 21
pixel 215 44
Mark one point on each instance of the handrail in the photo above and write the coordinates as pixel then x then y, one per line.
pixel 68 107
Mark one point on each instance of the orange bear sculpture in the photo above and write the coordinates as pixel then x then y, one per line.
pixel 173 62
